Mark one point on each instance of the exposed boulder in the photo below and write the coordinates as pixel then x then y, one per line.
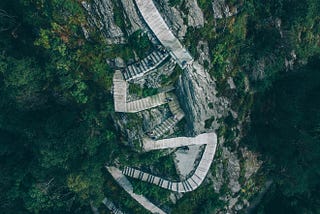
pixel 195 15
pixel 203 50
pixel 221 9
pixel 231 83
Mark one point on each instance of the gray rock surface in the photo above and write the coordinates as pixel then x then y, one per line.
pixel 173 18
pixel 119 62
pixel 203 50
pixel 132 132
pixel 218 179
pixel 101 16
pixel 131 13
pixel 221 9
pixel 231 83
pixel 185 160
pixel 195 15
pixel 233 169
pixel 252 164
pixel 258 72
pixel 197 89
pixel 154 117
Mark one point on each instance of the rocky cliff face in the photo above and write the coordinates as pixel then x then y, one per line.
pixel 180 17
pixel 173 17
pixel 221 9
pixel 132 15
pixel 101 16
pixel 195 14
pixel 197 90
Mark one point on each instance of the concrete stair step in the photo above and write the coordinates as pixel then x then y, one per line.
pixel 144 64
pixel 153 58
pixel 164 127
pixel 130 71
pixel 157 56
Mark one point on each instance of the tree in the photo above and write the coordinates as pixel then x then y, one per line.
pixel 23 81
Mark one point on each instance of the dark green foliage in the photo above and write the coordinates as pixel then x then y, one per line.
pixel 55 132
pixel 142 92
pixel 202 200
pixel 140 42
pixel 152 192
pixel 285 129
pixel 172 79
pixel 173 3
pixel 209 122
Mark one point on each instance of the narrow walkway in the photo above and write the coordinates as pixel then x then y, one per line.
pixel 175 108
pixel 154 20
pixel 149 63
pixel 147 103
pixel 110 205
pixel 206 138
pixel 169 123
pixel 199 175
pixel 126 185
pixel 163 128
pixel 120 88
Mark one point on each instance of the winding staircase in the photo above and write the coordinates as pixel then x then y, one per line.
pixel 173 47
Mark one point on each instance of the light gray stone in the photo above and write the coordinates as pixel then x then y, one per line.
pixel 101 16
pixel 195 14
pixel 173 18
pixel 132 15
pixel 221 9
pixel 197 89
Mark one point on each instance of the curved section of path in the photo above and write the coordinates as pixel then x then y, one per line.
pixel 120 87
pixel 201 139
pixel 158 26
pixel 190 184
pixel 126 185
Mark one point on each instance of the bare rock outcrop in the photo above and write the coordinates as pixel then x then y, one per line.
pixel 178 19
pixel 132 16
pixel 173 17
pixel 197 90
pixel 195 14
pixel 204 56
pixel 233 169
pixel 101 16
pixel 221 9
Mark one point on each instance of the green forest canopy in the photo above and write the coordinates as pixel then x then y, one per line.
pixel 285 128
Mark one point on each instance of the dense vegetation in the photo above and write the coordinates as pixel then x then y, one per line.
pixel 285 128
pixel 56 132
